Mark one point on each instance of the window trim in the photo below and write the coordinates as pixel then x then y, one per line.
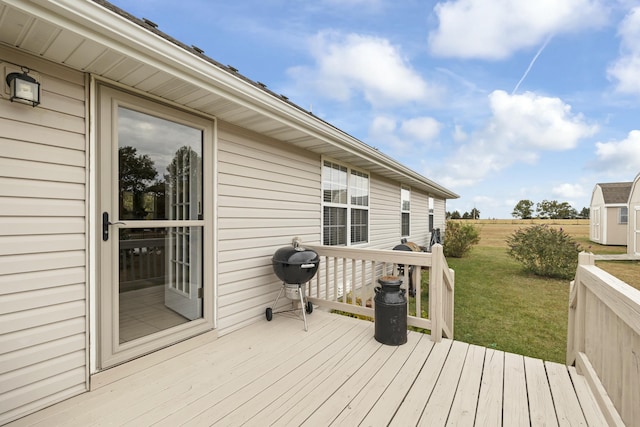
pixel 620 216
pixel 404 211
pixel 348 205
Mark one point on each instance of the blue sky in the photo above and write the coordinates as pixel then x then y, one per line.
pixel 498 100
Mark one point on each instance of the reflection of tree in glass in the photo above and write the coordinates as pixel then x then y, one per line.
pixel 136 173
pixel 184 184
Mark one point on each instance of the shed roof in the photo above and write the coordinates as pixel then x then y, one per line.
pixel 616 192
pixel 97 37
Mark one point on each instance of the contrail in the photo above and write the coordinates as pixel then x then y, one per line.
pixel 533 61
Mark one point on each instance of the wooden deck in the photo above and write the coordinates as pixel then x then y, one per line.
pixel 274 373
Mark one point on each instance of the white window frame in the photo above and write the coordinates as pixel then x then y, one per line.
pixel 349 205
pixel 626 215
pixel 405 208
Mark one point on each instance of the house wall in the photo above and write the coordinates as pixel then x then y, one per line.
pixel 385 215
pixel 43 336
pixel 616 233
pixel 440 214
pixel 267 194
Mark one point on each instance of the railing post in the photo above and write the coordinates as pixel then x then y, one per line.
pixel 450 301
pixel 435 292
pixel 577 311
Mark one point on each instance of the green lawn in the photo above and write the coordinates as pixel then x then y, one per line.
pixel 499 306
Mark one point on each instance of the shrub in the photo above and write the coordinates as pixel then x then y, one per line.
pixel 459 237
pixel 545 251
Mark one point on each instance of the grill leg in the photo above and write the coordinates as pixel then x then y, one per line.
pixel 302 306
pixel 275 304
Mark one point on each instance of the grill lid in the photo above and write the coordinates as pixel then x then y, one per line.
pixel 294 264
pixel 295 255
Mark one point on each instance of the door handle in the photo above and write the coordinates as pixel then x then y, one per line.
pixel 105 225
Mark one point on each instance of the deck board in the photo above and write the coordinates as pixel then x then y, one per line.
pixel 360 406
pixel 542 411
pixel 489 412
pixel 410 411
pixel 275 373
pixel 515 407
pixel 465 402
pixel 384 409
pixel 565 400
pixel 439 404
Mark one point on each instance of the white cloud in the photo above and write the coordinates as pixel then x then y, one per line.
pixel 401 137
pixel 346 65
pixel 619 156
pixel 625 70
pixel 532 122
pixel 421 128
pixel 568 191
pixel 352 3
pixel 494 29
pixel 520 128
pixel 383 125
pixel 459 134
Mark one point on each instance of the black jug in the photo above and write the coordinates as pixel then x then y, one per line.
pixel 390 311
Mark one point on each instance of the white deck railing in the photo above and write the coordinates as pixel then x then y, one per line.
pixel 603 340
pixel 347 277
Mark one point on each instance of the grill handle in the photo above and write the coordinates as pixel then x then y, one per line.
pixel 307 265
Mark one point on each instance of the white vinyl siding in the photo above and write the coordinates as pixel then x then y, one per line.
pixel 385 221
pixel 420 218
pixel 267 194
pixel 384 218
pixel 42 241
pixel 439 214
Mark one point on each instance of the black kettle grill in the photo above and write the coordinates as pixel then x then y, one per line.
pixel 295 266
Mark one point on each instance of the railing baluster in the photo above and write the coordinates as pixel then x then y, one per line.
pixel 417 278
pixel 335 278
pixel 363 283
pixel 376 263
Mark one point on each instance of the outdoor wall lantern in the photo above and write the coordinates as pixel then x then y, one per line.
pixel 23 88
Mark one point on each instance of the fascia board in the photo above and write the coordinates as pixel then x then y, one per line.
pixel 105 27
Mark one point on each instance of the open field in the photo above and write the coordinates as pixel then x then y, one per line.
pixel 500 306
pixel 494 233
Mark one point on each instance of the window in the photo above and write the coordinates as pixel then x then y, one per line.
pixel 623 215
pixel 405 210
pixel 430 214
pixel 345 197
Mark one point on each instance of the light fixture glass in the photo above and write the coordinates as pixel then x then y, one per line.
pixel 23 88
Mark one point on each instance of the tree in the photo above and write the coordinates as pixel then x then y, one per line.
pixel 455 215
pixel 475 213
pixel 554 210
pixel 523 209
pixel 584 213
pixel 136 174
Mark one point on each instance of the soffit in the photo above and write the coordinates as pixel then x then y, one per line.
pixel 95 37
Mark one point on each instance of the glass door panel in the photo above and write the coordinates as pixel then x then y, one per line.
pixel 159 179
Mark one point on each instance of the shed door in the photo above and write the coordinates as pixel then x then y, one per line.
pixel 595 224
pixel 153 209
pixel 636 231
